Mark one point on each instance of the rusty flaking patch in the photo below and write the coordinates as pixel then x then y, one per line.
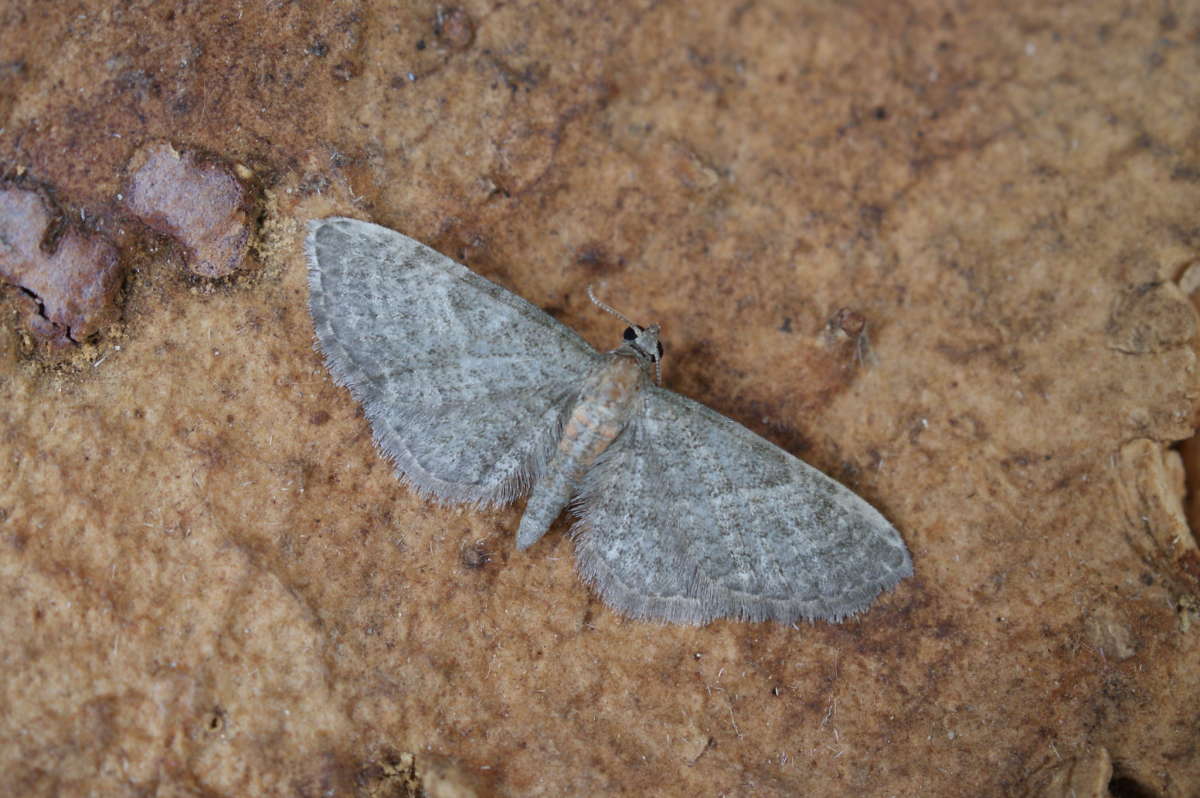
pixel 199 201
pixel 70 277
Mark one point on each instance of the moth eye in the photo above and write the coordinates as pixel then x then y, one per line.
pixel 660 348
pixel 630 334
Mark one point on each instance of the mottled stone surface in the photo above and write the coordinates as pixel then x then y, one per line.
pixel 198 201
pixel 214 586
pixel 69 278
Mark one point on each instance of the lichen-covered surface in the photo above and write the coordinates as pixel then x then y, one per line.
pixel 930 248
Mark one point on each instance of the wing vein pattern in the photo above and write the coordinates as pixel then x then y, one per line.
pixel 465 384
pixel 690 516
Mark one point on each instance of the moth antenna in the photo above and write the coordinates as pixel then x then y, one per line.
pixel 658 371
pixel 608 309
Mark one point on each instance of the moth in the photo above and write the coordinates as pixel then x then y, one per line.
pixel 476 396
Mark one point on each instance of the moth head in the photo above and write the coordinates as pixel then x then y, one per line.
pixel 642 343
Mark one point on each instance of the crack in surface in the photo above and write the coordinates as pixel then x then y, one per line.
pixel 41 311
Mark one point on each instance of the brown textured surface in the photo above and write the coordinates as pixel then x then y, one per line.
pixel 213 586
pixel 69 278
pixel 197 201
